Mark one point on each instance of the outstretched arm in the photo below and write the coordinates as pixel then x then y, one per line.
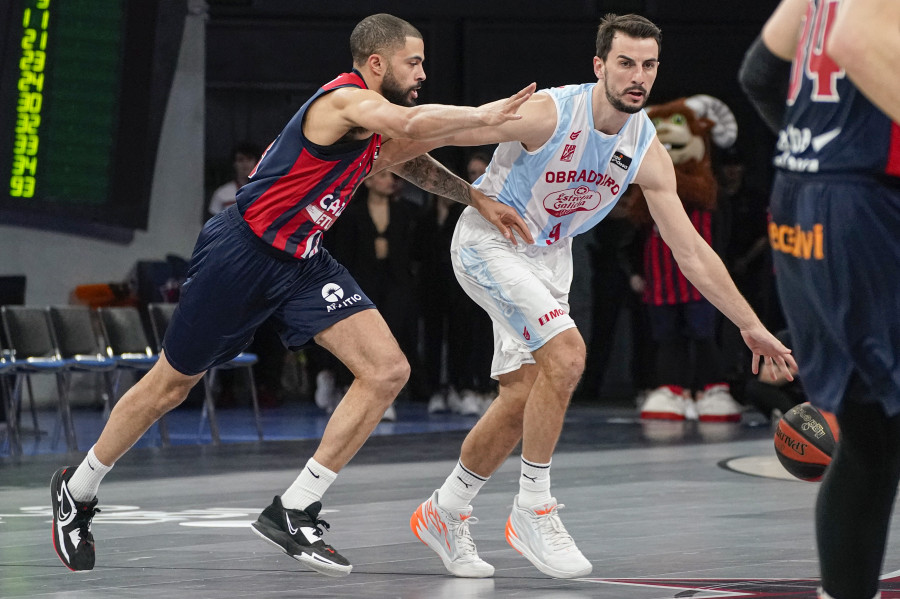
pixel 429 174
pixel 699 262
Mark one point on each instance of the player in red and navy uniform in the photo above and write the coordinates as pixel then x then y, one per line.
pixel 835 235
pixel 262 259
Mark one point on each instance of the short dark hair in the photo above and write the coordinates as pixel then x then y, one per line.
pixel 631 25
pixel 379 34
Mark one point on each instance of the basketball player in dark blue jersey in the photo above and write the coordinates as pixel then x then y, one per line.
pixel 835 235
pixel 261 258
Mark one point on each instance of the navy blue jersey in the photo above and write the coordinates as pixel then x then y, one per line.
pixel 298 189
pixel 829 125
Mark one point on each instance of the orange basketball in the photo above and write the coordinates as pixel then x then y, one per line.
pixel 805 439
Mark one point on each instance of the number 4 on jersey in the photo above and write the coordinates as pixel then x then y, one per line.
pixel 553 235
pixel 812 60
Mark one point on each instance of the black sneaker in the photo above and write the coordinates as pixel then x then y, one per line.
pixel 72 536
pixel 299 534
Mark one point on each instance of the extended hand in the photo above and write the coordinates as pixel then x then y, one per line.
pixel 504 217
pixel 500 111
pixel 765 345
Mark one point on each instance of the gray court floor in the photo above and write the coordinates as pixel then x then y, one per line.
pixel 661 511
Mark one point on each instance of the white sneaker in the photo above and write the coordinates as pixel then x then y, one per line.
pixel 470 404
pixel 438 404
pixel 447 533
pixel 390 415
pixel 715 404
pixel 540 536
pixel 454 401
pixel 326 391
pixel 663 403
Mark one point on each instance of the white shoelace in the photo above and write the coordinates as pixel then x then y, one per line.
pixel 552 529
pixel 465 545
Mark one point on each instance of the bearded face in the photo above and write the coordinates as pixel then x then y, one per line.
pixel 617 100
pixel 395 92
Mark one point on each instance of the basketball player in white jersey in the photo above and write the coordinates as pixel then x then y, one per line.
pixel 563 166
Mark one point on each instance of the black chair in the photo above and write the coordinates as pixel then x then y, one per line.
pixel 160 315
pixel 33 351
pixel 128 346
pixel 79 341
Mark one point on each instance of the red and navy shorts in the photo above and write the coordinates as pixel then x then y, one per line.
pixel 236 281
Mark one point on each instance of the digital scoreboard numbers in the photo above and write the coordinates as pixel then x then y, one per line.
pixel 32 64
pixel 65 111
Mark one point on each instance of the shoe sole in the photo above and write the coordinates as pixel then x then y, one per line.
pixel 513 539
pixel 435 545
pixel 309 560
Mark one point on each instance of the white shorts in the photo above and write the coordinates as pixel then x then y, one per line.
pixel 524 288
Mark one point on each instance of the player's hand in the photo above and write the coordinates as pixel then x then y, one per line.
pixel 776 355
pixel 504 217
pixel 500 111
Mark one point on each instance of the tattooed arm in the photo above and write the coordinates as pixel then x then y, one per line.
pixel 429 174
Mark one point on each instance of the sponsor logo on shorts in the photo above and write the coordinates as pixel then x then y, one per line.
pixel 567 201
pixel 550 316
pixel 798 242
pixel 526 334
pixel 621 160
pixel 334 295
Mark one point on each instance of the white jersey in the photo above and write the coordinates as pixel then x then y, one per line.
pixel 569 184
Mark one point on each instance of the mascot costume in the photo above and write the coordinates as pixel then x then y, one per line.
pixel 690 377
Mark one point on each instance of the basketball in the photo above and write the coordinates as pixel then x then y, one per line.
pixel 805 439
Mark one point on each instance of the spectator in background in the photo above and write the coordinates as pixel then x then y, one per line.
pixel 374 241
pixel 266 342
pixel 615 250
pixel 451 320
pixel 244 157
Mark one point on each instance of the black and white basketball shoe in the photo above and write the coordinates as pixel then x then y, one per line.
pixel 299 534
pixel 72 538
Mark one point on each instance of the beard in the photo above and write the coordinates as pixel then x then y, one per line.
pixel 619 104
pixel 394 92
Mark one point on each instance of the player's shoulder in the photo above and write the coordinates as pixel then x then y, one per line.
pixel 567 91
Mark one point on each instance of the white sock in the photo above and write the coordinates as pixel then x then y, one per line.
pixel 309 486
pixel 534 483
pixel 460 488
pixel 84 483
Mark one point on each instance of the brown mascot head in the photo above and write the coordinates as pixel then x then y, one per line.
pixel 686 127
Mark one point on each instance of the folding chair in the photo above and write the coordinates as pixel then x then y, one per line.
pixel 127 345
pixel 33 351
pixel 79 342
pixel 160 315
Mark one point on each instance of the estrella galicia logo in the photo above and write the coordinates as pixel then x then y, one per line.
pixel 621 160
pixel 332 292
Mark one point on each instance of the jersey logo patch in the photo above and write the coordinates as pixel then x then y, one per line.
pixel 567 153
pixel 574 135
pixel 621 160
pixel 567 201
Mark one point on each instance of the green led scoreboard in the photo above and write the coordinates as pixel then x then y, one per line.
pixel 84 86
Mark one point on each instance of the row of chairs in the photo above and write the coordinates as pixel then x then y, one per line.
pixel 109 341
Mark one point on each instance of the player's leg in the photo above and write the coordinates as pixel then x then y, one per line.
pixel 73 491
pixel 855 501
pixel 363 342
